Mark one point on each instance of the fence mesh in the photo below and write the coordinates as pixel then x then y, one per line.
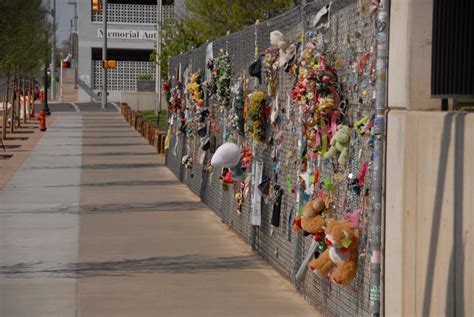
pixel 351 37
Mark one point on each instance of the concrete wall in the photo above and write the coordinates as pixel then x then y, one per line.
pixel 429 217
pixel 88 39
pixel 139 101
pixel 410 55
pixel 429 181
pixel 142 101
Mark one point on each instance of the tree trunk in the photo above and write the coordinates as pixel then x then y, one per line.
pixel 5 110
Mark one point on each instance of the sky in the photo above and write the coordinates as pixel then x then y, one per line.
pixel 64 14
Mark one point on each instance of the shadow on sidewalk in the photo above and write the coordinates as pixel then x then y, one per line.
pixel 100 166
pixel 186 264
pixel 131 207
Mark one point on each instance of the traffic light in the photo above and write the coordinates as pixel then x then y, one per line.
pixel 96 6
pixel 109 63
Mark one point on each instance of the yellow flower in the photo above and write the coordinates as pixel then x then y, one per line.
pixel 326 104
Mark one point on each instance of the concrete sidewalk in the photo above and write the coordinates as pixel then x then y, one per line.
pixel 94 224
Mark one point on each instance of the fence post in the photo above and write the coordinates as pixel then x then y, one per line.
pixel 24 103
pixel 32 97
pixel 18 106
pixel 28 107
pixel 4 118
pixel 12 119
pixel 382 26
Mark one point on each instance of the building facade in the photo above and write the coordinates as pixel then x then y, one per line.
pixel 131 39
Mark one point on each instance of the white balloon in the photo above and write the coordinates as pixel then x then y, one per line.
pixel 227 155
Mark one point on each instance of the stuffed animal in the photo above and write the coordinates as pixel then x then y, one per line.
pixel 277 40
pixel 340 144
pixel 187 161
pixel 341 256
pixel 313 220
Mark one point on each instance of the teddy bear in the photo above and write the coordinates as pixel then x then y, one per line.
pixel 313 219
pixel 340 143
pixel 341 256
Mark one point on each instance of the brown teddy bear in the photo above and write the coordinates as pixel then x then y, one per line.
pixel 312 221
pixel 341 256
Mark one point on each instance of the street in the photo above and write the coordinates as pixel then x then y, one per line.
pixel 94 224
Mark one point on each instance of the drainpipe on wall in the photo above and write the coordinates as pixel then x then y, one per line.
pixel 382 27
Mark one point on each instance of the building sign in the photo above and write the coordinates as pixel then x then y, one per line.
pixel 121 34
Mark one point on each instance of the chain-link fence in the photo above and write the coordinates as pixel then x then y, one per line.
pixel 351 37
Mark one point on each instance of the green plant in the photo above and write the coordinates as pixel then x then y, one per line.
pixel 144 77
pixel 150 115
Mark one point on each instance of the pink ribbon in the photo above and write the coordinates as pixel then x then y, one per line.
pixel 363 171
pixel 335 96
pixel 334 117
pixel 320 194
pixel 355 217
pixel 318 139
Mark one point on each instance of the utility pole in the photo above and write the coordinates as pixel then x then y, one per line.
pixel 159 28
pixel 45 96
pixel 53 54
pixel 61 99
pixel 104 57
pixel 45 100
pixel 74 35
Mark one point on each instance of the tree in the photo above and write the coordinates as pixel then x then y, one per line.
pixel 23 37
pixel 214 18
pixel 177 39
pixel 210 19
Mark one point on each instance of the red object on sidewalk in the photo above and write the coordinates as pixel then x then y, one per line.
pixel 42 120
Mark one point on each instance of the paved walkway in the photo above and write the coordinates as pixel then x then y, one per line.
pixel 93 224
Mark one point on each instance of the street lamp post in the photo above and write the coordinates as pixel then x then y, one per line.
pixel 45 100
pixel 53 53
pixel 104 57
pixel 74 35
